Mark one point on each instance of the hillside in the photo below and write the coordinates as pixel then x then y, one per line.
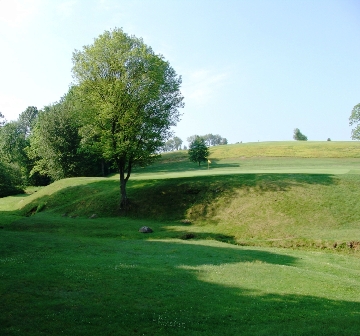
pixel 251 246
pixel 277 201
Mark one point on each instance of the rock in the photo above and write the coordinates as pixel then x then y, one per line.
pixel 93 216
pixel 145 229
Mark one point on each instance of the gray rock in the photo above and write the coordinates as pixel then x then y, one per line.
pixel 145 229
pixel 93 216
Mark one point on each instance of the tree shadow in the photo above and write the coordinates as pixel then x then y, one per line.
pixel 167 199
pixel 161 288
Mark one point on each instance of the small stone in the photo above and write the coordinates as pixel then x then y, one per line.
pixel 93 216
pixel 145 229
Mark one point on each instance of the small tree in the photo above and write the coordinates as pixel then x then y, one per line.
pixel 354 121
pixel 223 141
pixel 198 151
pixel 299 136
pixel 177 143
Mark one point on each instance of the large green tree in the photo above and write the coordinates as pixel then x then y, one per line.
pixel 354 120
pixel 198 151
pixel 131 98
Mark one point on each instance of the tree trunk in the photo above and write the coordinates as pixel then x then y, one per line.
pixel 123 195
pixel 124 177
pixel 103 167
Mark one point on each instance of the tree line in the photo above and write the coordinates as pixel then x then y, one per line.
pixel 175 143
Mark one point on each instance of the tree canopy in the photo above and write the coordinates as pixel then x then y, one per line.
pixel 173 144
pixel 299 136
pixel 130 97
pixel 354 120
pixel 210 139
pixel 198 151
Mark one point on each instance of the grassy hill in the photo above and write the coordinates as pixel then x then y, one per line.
pixel 264 242
pixel 276 201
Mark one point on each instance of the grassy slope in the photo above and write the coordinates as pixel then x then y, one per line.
pixel 276 201
pixel 63 275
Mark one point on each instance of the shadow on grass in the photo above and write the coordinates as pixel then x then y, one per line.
pixel 83 287
pixel 184 165
pixel 167 199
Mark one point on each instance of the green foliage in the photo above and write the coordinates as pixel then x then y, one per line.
pixel 173 144
pixel 14 143
pixel 210 139
pixel 299 136
pixel 198 151
pixel 2 120
pixel 11 182
pixel 354 120
pixel 55 145
pixel 131 98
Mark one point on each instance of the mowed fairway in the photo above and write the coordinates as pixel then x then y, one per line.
pixel 255 245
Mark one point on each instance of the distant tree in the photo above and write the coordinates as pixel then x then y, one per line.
pixel 191 138
pixel 198 151
pixel 223 141
pixel 354 120
pixel 172 144
pixel 169 145
pixel 328 139
pixel 299 136
pixel 210 139
pixel 27 119
pixel 177 143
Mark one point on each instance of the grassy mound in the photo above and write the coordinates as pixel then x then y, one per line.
pixel 279 205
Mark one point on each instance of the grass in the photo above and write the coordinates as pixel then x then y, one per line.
pixel 72 283
pixel 253 246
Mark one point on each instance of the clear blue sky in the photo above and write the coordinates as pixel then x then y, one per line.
pixel 252 70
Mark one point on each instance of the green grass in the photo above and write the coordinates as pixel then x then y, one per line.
pixel 67 282
pixel 255 245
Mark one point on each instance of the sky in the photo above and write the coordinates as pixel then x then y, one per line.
pixel 252 70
